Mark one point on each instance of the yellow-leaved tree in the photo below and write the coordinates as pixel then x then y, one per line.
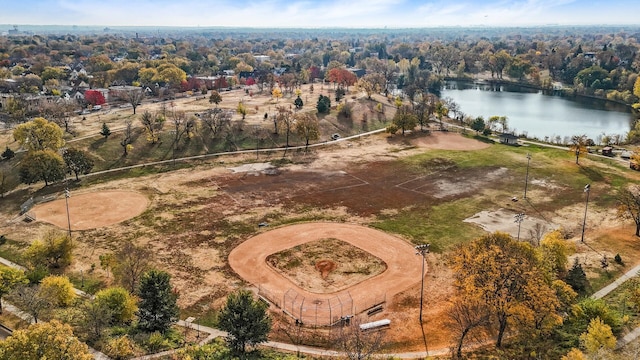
pixel 58 290
pixel 506 277
pixel 598 336
pixel 39 135
pixel 52 340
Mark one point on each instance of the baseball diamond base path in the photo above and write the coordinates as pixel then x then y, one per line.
pixel 403 266
pixel 92 210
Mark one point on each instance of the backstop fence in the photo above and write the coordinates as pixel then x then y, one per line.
pixel 322 311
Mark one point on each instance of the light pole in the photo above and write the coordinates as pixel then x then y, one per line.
pixel 526 179
pixel 587 189
pixel 519 219
pixel 67 195
pixel 422 250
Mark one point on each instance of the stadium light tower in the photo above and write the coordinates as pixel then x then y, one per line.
pixel 422 250
pixel 67 195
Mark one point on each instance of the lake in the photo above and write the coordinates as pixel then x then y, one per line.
pixel 537 115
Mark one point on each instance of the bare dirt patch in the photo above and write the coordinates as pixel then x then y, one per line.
pixel 444 140
pixel 92 210
pixel 326 265
pixel 504 220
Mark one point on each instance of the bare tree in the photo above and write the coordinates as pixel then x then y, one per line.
pixel 578 146
pixel 260 134
pixel 286 121
pixel 131 262
pixel 183 127
pixel 152 124
pixel 629 199
pixel 358 344
pixel 134 97
pixel 536 233
pixel 307 127
pixel 464 319
pixel 30 299
pixel 216 120
pixel 126 137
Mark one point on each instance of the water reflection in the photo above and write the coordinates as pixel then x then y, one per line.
pixel 540 115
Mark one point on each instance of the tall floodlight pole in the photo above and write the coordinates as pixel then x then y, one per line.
pixel 526 179
pixel 422 250
pixel 519 219
pixel 67 195
pixel 587 189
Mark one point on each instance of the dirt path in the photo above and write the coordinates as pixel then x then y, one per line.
pixel 403 266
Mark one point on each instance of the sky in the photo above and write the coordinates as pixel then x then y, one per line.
pixel 320 13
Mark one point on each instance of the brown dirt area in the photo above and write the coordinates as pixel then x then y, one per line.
pixel 92 210
pixel 326 265
pixel 403 270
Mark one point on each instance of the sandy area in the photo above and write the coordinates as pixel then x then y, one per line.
pixel 92 210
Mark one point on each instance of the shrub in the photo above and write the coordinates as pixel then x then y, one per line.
pixel 120 302
pixel 120 348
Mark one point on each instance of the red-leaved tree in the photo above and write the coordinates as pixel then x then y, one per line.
pixel 94 97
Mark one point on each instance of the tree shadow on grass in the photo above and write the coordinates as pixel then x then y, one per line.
pixel 592 174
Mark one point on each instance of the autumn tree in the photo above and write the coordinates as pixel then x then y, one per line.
pixel 58 290
pixel 152 124
pixel 245 320
pixel 578 147
pixel 404 119
pixel 307 127
pixel 9 279
pixel 54 250
pixel 505 276
pixel 242 109
pixel 52 340
pixel 38 135
pixel 94 319
pixel 215 98
pixel 120 303
pixel 158 309
pixel 276 93
pixel 94 97
pixel 41 165
pixel 598 336
pixel 77 162
pixel 629 204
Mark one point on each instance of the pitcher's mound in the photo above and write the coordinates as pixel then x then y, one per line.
pixel 92 210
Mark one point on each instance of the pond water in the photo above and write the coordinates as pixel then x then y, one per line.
pixel 538 115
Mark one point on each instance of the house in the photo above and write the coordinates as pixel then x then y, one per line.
pixel 357 72
pixel 262 58
pixel 508 139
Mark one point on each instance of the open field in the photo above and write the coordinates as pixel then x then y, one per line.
pixel 414 189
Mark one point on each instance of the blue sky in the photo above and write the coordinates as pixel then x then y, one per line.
pixel 318 14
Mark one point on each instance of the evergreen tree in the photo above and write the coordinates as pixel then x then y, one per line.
pixel 324 104
pixel 577 278
pixel 8 153
pixel 246 320
pixel 298 103
pixel 157 309
pixel 105 130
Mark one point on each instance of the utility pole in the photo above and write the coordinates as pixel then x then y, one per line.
pixel 67 195
pixel 587 189
pixel 422 250
pixel 526 179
